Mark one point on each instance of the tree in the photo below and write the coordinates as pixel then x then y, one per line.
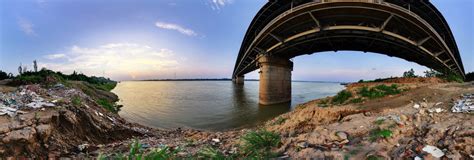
pixel 432 73
pixel 20 70
pixel 35 66
pixel 409 74
pixel 470 77
pixel 3 75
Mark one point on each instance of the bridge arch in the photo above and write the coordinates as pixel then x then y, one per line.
pixel 378 26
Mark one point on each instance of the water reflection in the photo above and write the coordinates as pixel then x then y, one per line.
pixel 210 105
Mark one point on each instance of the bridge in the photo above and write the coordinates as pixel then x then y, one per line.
pixel 413 30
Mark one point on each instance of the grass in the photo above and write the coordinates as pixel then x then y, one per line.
pixel 211 153
pixel 341 97
pixel 107 105
pixel 106 86
pixel 379 133
pixel 258 144
pixel 137 153
pixel 323 103
pixel 357 100
pixel 279 121
pixel 379 91
pixel 374 157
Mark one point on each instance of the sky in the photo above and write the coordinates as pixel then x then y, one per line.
pixel 154 39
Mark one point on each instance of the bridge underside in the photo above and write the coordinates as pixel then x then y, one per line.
pixel 377 27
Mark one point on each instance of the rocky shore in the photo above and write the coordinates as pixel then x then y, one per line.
pixel 419 122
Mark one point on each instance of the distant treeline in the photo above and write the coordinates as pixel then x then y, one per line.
pixel 49 77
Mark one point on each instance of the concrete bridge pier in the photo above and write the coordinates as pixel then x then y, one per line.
pixel 275 80
pixel 239 79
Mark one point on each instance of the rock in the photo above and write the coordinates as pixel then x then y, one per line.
pixel 434 151
pixel 4 128
pixel 342 136
pixel 423 105
pixel 302 144
pixel 26 134
pixel 44 131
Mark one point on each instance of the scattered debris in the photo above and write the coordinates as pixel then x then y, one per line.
pixel 23 98
pixel 416 106
pixel 82 147
pixel 437 110
pixel 434 151
pixel 392 117
pixel 465 104
pixel 216 140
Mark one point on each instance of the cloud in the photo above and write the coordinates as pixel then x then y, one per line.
pixel 55 56
pixel 26 26
pixel 219 4
pixel 175 27
pixel 115 60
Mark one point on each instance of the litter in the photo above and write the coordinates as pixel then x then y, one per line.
pixel 465 104
pixel 435 151
pixel 416 106
pixel 12 103
pixel 216 140
pixel 437 110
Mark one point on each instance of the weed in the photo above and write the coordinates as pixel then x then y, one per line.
pixel 378 133
pixel 36 116
pixel 257 144
pixel 379 122
pixel 341 97
pixel 76 100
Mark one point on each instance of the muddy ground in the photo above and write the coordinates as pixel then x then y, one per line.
pixel 346 131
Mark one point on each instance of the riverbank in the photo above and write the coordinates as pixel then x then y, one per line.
pixel 400 123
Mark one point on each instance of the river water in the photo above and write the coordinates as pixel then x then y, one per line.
pixel 208 105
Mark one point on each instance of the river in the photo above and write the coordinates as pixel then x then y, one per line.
pixel 207 105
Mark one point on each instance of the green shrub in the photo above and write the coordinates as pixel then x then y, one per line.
pixel 258 144
pixel 454 78
pixel 341 97
pixel 379 91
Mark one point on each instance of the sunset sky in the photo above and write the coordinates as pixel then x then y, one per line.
pixel 126 40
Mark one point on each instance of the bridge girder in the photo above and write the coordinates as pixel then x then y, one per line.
pixel 316 26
